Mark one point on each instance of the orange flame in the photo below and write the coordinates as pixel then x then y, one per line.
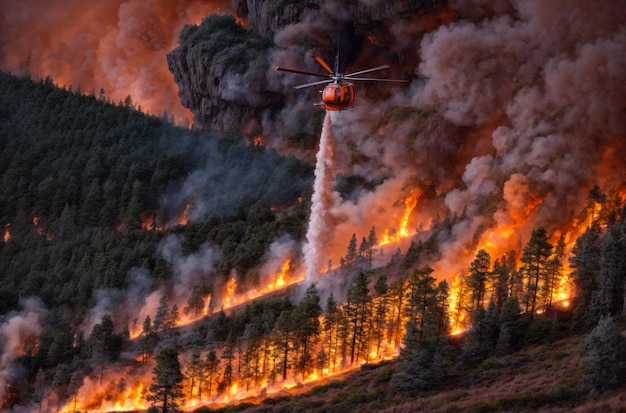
pixel 279 280
pixel 231 286
pixel 7 234
pixel 393 235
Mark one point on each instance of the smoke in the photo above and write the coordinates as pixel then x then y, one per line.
pixel 190 270
pixel 516 111
pixel 118 46
pixel 280 251
pixel 15 333
pixel 133 304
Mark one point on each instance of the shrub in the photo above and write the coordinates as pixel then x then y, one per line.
pixel 541 330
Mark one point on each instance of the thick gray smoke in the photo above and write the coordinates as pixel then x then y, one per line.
pixel 16 331
pixel 517 111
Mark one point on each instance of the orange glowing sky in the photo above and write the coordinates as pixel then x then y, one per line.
pixel 119 46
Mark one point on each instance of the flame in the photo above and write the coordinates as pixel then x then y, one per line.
pixel 277 281
pixel 231 286
pixel 457 317
pixel 148 221
pixel 7 233
pixel 393 235
pixel 280 276
pixel 185 216
pixel 120 390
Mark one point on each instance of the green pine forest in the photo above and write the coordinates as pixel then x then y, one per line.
pixel 80 175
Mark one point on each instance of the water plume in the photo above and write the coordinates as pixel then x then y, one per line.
pixel 320 230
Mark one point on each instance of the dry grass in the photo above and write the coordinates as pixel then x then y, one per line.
pixel 540 378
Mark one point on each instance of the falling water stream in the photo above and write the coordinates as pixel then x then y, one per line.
pixel 320 229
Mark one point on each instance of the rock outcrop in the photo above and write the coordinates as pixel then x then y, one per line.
pixel 220 69
pixel 221 66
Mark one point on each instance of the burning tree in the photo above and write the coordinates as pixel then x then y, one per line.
pixel 167 386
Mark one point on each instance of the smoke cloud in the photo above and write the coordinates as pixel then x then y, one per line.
pixel 133 304
pixel 517 110
pixel 14 336
pixel 118 46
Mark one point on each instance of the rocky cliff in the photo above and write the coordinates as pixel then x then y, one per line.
pixel 221 66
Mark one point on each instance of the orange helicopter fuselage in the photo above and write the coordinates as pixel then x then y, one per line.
pixel 338 96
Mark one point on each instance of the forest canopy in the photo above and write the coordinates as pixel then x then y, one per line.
pixel 85 183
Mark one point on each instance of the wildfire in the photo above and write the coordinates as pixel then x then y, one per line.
pixel 231 286
pixel 148 220
pixel 394 235
pixel 37 226
pixel 120 391
pixel 7 233
pixel 279 281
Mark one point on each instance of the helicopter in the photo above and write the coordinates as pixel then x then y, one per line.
pixel 339 93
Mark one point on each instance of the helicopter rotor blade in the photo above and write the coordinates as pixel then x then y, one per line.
pixel 376 79
pixel 360 72
pixel 321 82
pixel 300 72
pixel 322 63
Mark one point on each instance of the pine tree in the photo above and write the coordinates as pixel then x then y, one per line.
pixel 308 313
pixel 478 278
pixel 380 310
pixel 510 326
pixel 358 299
pixel 162 315
pixel 351 253
pixel 166 389
pixel 611 275
pixel 535 266
pixel 196 303
pixel 146 339
pixel 372 241
pixel 363 248
pixel 283 337
pixel 440 310
pixel 421 302
pixel 397 302
pixel 76 382
pixel 212 364
pixel 39 390
pixel 603 365
pixel 191 373
pixel 421 366
pixel 481 339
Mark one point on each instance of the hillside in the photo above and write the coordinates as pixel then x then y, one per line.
pixel 101 185
pixel 541 377
pixel 456 242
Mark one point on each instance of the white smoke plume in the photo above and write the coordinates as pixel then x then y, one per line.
pixel 188 270
pixel 133 304
pixel 280 250
pixel 121 305
pixel 14 334
pixel 320 230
